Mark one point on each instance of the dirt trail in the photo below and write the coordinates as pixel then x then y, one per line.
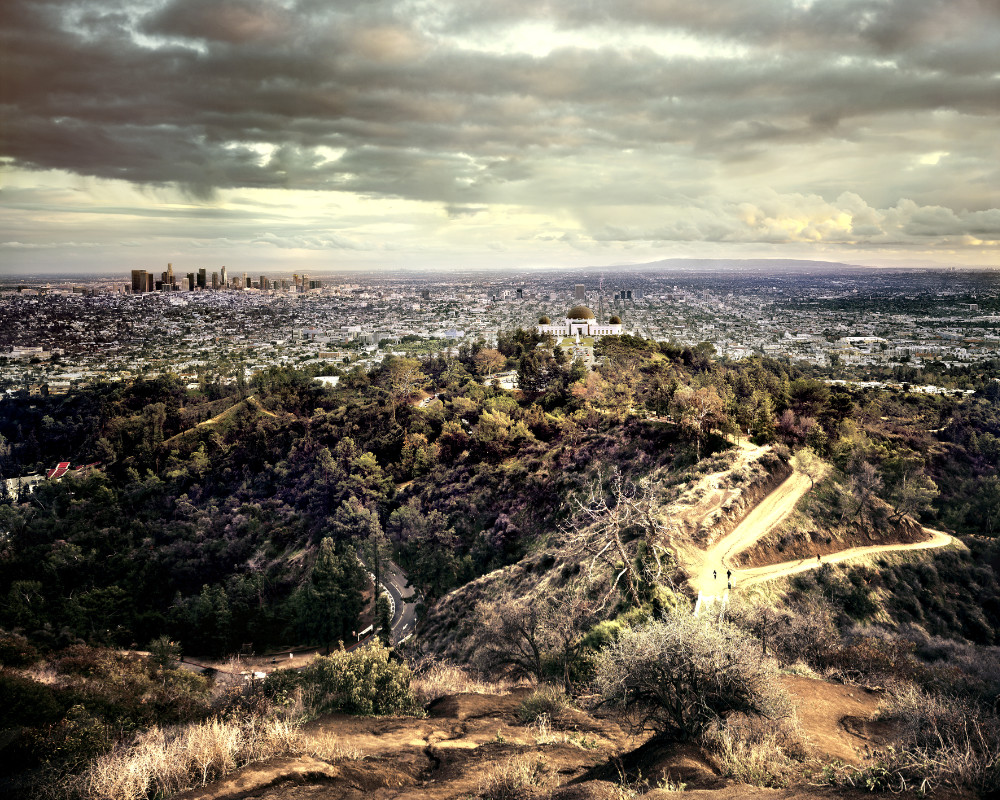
pixel 748 577
pixel 708 568
pixel 768 513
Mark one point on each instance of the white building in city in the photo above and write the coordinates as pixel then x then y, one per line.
pixel 580 321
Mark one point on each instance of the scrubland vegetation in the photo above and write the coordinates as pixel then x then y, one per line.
pixel 532 526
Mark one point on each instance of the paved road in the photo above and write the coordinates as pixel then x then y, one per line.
pixel 404 614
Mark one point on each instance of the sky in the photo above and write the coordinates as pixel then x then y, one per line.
pixel 327 135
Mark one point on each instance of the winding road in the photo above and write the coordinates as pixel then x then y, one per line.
pixel 404 614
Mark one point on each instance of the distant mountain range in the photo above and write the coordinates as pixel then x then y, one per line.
pixel 744 264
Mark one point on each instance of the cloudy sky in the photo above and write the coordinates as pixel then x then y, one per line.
pixel 330 134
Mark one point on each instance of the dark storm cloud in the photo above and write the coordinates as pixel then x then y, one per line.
pixel 380 98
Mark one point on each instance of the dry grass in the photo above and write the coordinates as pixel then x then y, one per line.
pixel 545 734
pixel 162 761
pixel 517 778
pixel 547 700
pixel 943 740
pixel 755 751
pixel 433 679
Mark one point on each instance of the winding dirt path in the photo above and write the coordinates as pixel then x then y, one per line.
pixel 748 577
pixel 709 576
pixel 712 571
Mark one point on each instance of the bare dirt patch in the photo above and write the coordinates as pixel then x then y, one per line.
pixel 579 756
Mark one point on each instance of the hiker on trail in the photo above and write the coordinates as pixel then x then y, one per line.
pixel 714 575
pixel 729 574
pixel 818 559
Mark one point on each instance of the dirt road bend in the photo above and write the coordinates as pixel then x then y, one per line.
pixel 708 567
pixel 712 571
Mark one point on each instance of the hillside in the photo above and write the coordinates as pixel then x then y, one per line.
pixel 540 532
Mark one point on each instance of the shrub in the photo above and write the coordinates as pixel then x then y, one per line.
pixel 546 699
pixel 26 702
pixel 872 658
pixel 681 674
pixel 16 651
pixel 941 741
pixel 77 739
pixel 754 753
pixel 364 681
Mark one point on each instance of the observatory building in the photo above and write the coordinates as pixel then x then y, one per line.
pixel 580 321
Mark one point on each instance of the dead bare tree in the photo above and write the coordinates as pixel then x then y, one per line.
pixel 605 525
pixel 522 635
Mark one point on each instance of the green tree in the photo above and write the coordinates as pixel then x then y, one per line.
pixel 762 421
pixel 331 599
pixel 427 548
pixel 164 653
pixel 383 618
pixel 699 410
pixel 489 361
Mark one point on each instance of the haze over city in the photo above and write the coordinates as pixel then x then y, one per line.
pixel 306 135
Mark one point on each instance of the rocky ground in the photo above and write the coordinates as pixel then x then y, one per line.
pixel 467 738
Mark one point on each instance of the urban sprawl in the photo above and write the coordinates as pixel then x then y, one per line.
pixel 59 335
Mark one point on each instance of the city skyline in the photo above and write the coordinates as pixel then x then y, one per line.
pixel 296 136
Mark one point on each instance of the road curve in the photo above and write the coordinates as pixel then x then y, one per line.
pixel 404 614
pixel 710 569
pixel 710 576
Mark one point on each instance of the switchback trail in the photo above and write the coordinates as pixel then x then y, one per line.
pixel 709 568
pixel 748 577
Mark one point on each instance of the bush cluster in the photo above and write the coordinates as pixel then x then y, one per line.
pixel 366 681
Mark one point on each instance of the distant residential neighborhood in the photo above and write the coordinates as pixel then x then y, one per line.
pixel 57 336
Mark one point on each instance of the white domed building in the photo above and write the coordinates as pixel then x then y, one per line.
pixel 580 321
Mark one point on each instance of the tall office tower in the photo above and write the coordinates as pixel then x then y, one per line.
pixel 163 282
pixel 295 281
pixel 580 292
pixel 215 281
pixel 305 282
pixel 246 281
pixel 138 281
pixel 202 278
pixel 170 276
pixel 284 284
pixel 191 282
pixel 224 278
pixel 263 282
pixel 520 294
pixel 425 294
